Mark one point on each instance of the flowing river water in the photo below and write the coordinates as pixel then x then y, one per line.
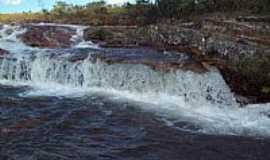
pixel 54 104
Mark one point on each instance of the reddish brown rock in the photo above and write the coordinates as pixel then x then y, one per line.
pixel 48 36
pixel 160 61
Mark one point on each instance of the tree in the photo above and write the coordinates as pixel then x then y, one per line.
pixel 100 3
pixel 170 8
pixel 61 8
pixel 142 2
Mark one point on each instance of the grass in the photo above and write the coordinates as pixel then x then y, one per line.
pixel 21 17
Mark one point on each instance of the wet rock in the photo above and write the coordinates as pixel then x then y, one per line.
pixel 29 123
pixel 161 61
pixel 48 36
pixel 5 130
pixel 3 53
pixel 157 60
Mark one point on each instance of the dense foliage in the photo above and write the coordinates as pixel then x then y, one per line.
pixel 178 8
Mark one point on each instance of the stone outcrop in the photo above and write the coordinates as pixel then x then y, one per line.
pixel 48 36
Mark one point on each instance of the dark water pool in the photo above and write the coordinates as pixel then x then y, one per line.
pixel 97 128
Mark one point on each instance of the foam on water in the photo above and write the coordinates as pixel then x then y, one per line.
pixel 9 40
pixel 204 100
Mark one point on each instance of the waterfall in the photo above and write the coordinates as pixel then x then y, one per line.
pixel 40 67
pixel 137 78
pixel 9 40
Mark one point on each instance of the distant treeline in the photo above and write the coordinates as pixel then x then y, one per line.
pixel 142 12
pixel 178 8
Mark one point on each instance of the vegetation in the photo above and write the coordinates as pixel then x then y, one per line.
pixel 21 17
pixel 178 8
pixel 256 70
pixel 142 12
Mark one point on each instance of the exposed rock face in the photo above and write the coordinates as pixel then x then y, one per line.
pixel 244 49
pixel 48 36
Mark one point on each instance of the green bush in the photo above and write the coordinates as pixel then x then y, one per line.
pixel 143 12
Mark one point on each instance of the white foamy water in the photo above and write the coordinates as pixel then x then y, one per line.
pixel 9 40
pixel 203 100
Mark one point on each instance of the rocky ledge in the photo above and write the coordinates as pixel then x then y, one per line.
pixel 238 46
pixel 46 36
pixel 160 61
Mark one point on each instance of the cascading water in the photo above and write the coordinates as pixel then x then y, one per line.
pixel 208 87
pixel 178 96
pixel 8 38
